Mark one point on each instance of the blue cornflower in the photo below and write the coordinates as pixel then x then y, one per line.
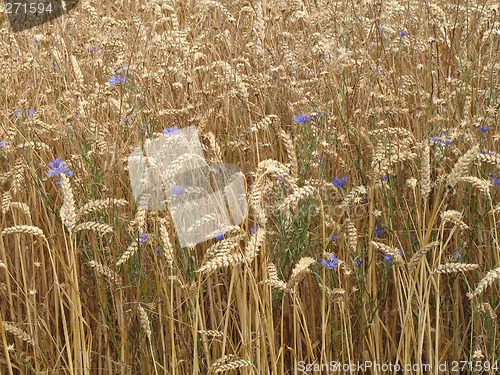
pixel 58 168
pixel 340 183
pixel 359 262
pixel 324 58
pixel 484 129
pixel 31 112
pixel 389 259
pixel 93 49
pixel 282 181
pixel 377 70
pixel 384 178
pixel 320 159
pixel 143 238
pixel 171 131
pixel 178 190
pixel 118 79
pixel 253 229
pixel 486 152
pixel 158 251
pixel 457 257
pixel 437 139
pixel 302 118
pixel 219 237
pixel 379 232
pixel 440 140
pixel 403 34
pixel 2 144
pixel 334 237
pixel 382 31
pixel 331 263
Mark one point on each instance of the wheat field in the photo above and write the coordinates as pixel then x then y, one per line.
pixel 367 135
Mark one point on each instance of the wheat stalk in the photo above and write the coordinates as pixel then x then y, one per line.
pixel 145 324
pixel 106 271
pixel 415 259
pixel 490 277
pixel 68 211
pixel 131 250
pixel 18 332
pixel 96 227
pixel 454 267
pixel 26 229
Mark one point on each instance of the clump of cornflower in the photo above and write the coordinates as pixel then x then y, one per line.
pixel 178 190
pixel 331 263
pixel 171 131
pixel 389 259
pixel 384 178
pixel 115 80
pixel 340 183
pixel 29 113
pixel 282 181
pixel 334 237
pixel 440 140
pixel 303 118
pixel 58 167
pixel 496 181
pixel 143 238
pixel 219 237
pixel 483 129
pixel 379 232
